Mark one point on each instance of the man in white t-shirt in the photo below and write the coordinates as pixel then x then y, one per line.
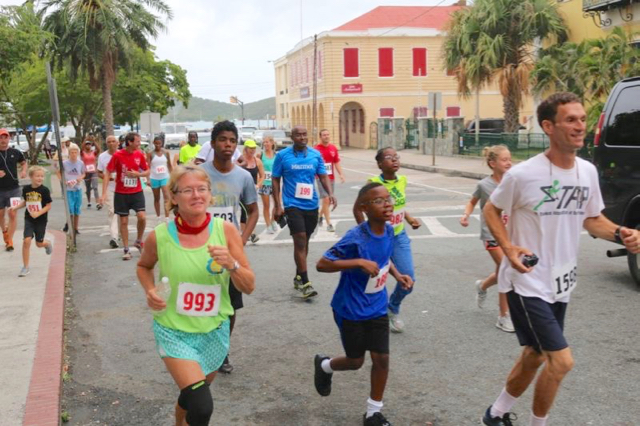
pixel 549 199
pixel 103 161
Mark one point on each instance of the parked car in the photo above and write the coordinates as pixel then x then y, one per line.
pixel 487 125
pixel 245 132
pixel 617 157
pixel 280 137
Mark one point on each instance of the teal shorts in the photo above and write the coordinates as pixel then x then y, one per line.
pixel 159 183
pixel 207 349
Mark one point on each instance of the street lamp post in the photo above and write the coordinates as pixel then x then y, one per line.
pixel 236 101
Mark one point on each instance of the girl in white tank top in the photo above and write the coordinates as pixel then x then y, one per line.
pixel 160 165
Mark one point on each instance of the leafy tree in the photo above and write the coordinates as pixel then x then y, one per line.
pixel 97 37
pixel 150 85
pixel 497 36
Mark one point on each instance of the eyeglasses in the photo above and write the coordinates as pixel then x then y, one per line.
pixel 201 190
pixel 392 157
pixel 381 201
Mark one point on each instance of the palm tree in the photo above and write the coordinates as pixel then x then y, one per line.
pixel 97 36
pixel 501 34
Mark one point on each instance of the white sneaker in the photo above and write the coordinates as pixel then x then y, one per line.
pixel 481 295
pixel 396 325
pixel 504 323
pixel 24 272
pixel 270 229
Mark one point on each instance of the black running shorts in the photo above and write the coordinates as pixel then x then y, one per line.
pixel 35 228
pixel 360 336
pixel 235 296
pixel 124 202
pixel 538 323
pixel 301 220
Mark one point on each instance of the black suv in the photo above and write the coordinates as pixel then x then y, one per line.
pixel 617 156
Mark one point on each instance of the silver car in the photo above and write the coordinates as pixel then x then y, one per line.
pixel 281 138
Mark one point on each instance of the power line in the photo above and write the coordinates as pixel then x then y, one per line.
pixel 413 19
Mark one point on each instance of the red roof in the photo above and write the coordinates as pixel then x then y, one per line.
pixel 401 16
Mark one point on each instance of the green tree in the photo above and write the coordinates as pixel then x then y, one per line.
pixel 150 85
pixel 97 37
pixel 498 36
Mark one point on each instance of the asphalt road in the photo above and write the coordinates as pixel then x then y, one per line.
pixel 447 367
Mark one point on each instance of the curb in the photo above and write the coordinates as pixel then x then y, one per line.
pixel 445 171
pixel 45 386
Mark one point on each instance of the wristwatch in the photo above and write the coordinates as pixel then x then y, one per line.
pixel 236 266
pixel 616 235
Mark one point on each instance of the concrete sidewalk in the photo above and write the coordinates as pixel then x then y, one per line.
pixel 31 314
pixel 469 167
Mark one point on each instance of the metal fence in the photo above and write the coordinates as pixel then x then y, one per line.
pixel 522 145
pixel 427 127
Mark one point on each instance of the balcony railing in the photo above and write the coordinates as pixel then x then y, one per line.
pixel 596 5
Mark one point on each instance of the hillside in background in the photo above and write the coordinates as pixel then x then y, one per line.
pixel 208 110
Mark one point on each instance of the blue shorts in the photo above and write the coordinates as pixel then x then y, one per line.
pixel 159 183
pixel 74 198
pixel 538 323
pixel 207 349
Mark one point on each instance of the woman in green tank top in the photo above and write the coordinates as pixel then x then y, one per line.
pixel 197 255
pixel 268 157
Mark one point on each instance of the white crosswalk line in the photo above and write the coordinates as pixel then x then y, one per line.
pixel 435 227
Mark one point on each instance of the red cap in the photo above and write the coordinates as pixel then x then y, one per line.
pixel 4 132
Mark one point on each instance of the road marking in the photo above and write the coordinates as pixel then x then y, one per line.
pixel 413 183
pixel 435 227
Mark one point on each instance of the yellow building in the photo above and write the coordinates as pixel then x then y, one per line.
pixel 381 64
pixel 594 18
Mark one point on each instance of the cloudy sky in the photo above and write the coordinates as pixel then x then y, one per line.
pixel 226 46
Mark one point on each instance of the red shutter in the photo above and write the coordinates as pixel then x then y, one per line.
pixel 385 62
pixel 419 61
pixel 453 111
pixel 387 112
pixel 351 66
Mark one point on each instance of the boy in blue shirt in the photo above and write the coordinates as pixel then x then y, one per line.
pixel 360 302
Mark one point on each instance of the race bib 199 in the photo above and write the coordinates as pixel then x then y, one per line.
pixel 198 300
pixel 329 167
pixel 130 182
pixel 377 283
pixel 304 191
pixel 91 168
pixel 397 218
pixel 161 170
pixel 565 279
pixel 34 206
pixel 15 201
pixel 224 213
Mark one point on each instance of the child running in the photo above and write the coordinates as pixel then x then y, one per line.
pixel 389 163
pixel 360 302
pixel 499 161
pixel 37 199
pixel 74 171
pixel 267 157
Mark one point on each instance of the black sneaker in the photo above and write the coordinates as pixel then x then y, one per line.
pixel 321 379
pixel 226 366
pixel 376 420
pixel 88 205
pixel 505 420
pixel 98 206
pixel 113 243
pixel 66 227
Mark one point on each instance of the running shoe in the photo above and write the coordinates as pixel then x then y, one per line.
pixel 504 323
pixel 481 295
pixel 330 228
pixel 113 243
pixel 376 420
pixel 24 272
pixel 321 379
pixel 77 232
pixel 505 420
pixel 396 325
pixel 308 291
pixel 126 255
pixel 254 238
pixel 226 366
pixel 139 245
pixel 297 282
pixel 48 248
pixel 9 246
pixel 5 235
pixel 65 228
pixel 98 206
pixel 88 205
pixel 270 229
pixel 320 220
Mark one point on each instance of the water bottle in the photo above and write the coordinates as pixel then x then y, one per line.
pixel 163 289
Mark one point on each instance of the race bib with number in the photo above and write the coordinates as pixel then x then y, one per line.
pixel 329 167
pixel 198 300
pixel 91 168
pixel 130 182
pixel 377 283
pixel 565 279
pixel 161 170
pixel 397 218
pixel 304 191
pixel 224 213
pixel 15 201
pixel 34 206
pixel 267 175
